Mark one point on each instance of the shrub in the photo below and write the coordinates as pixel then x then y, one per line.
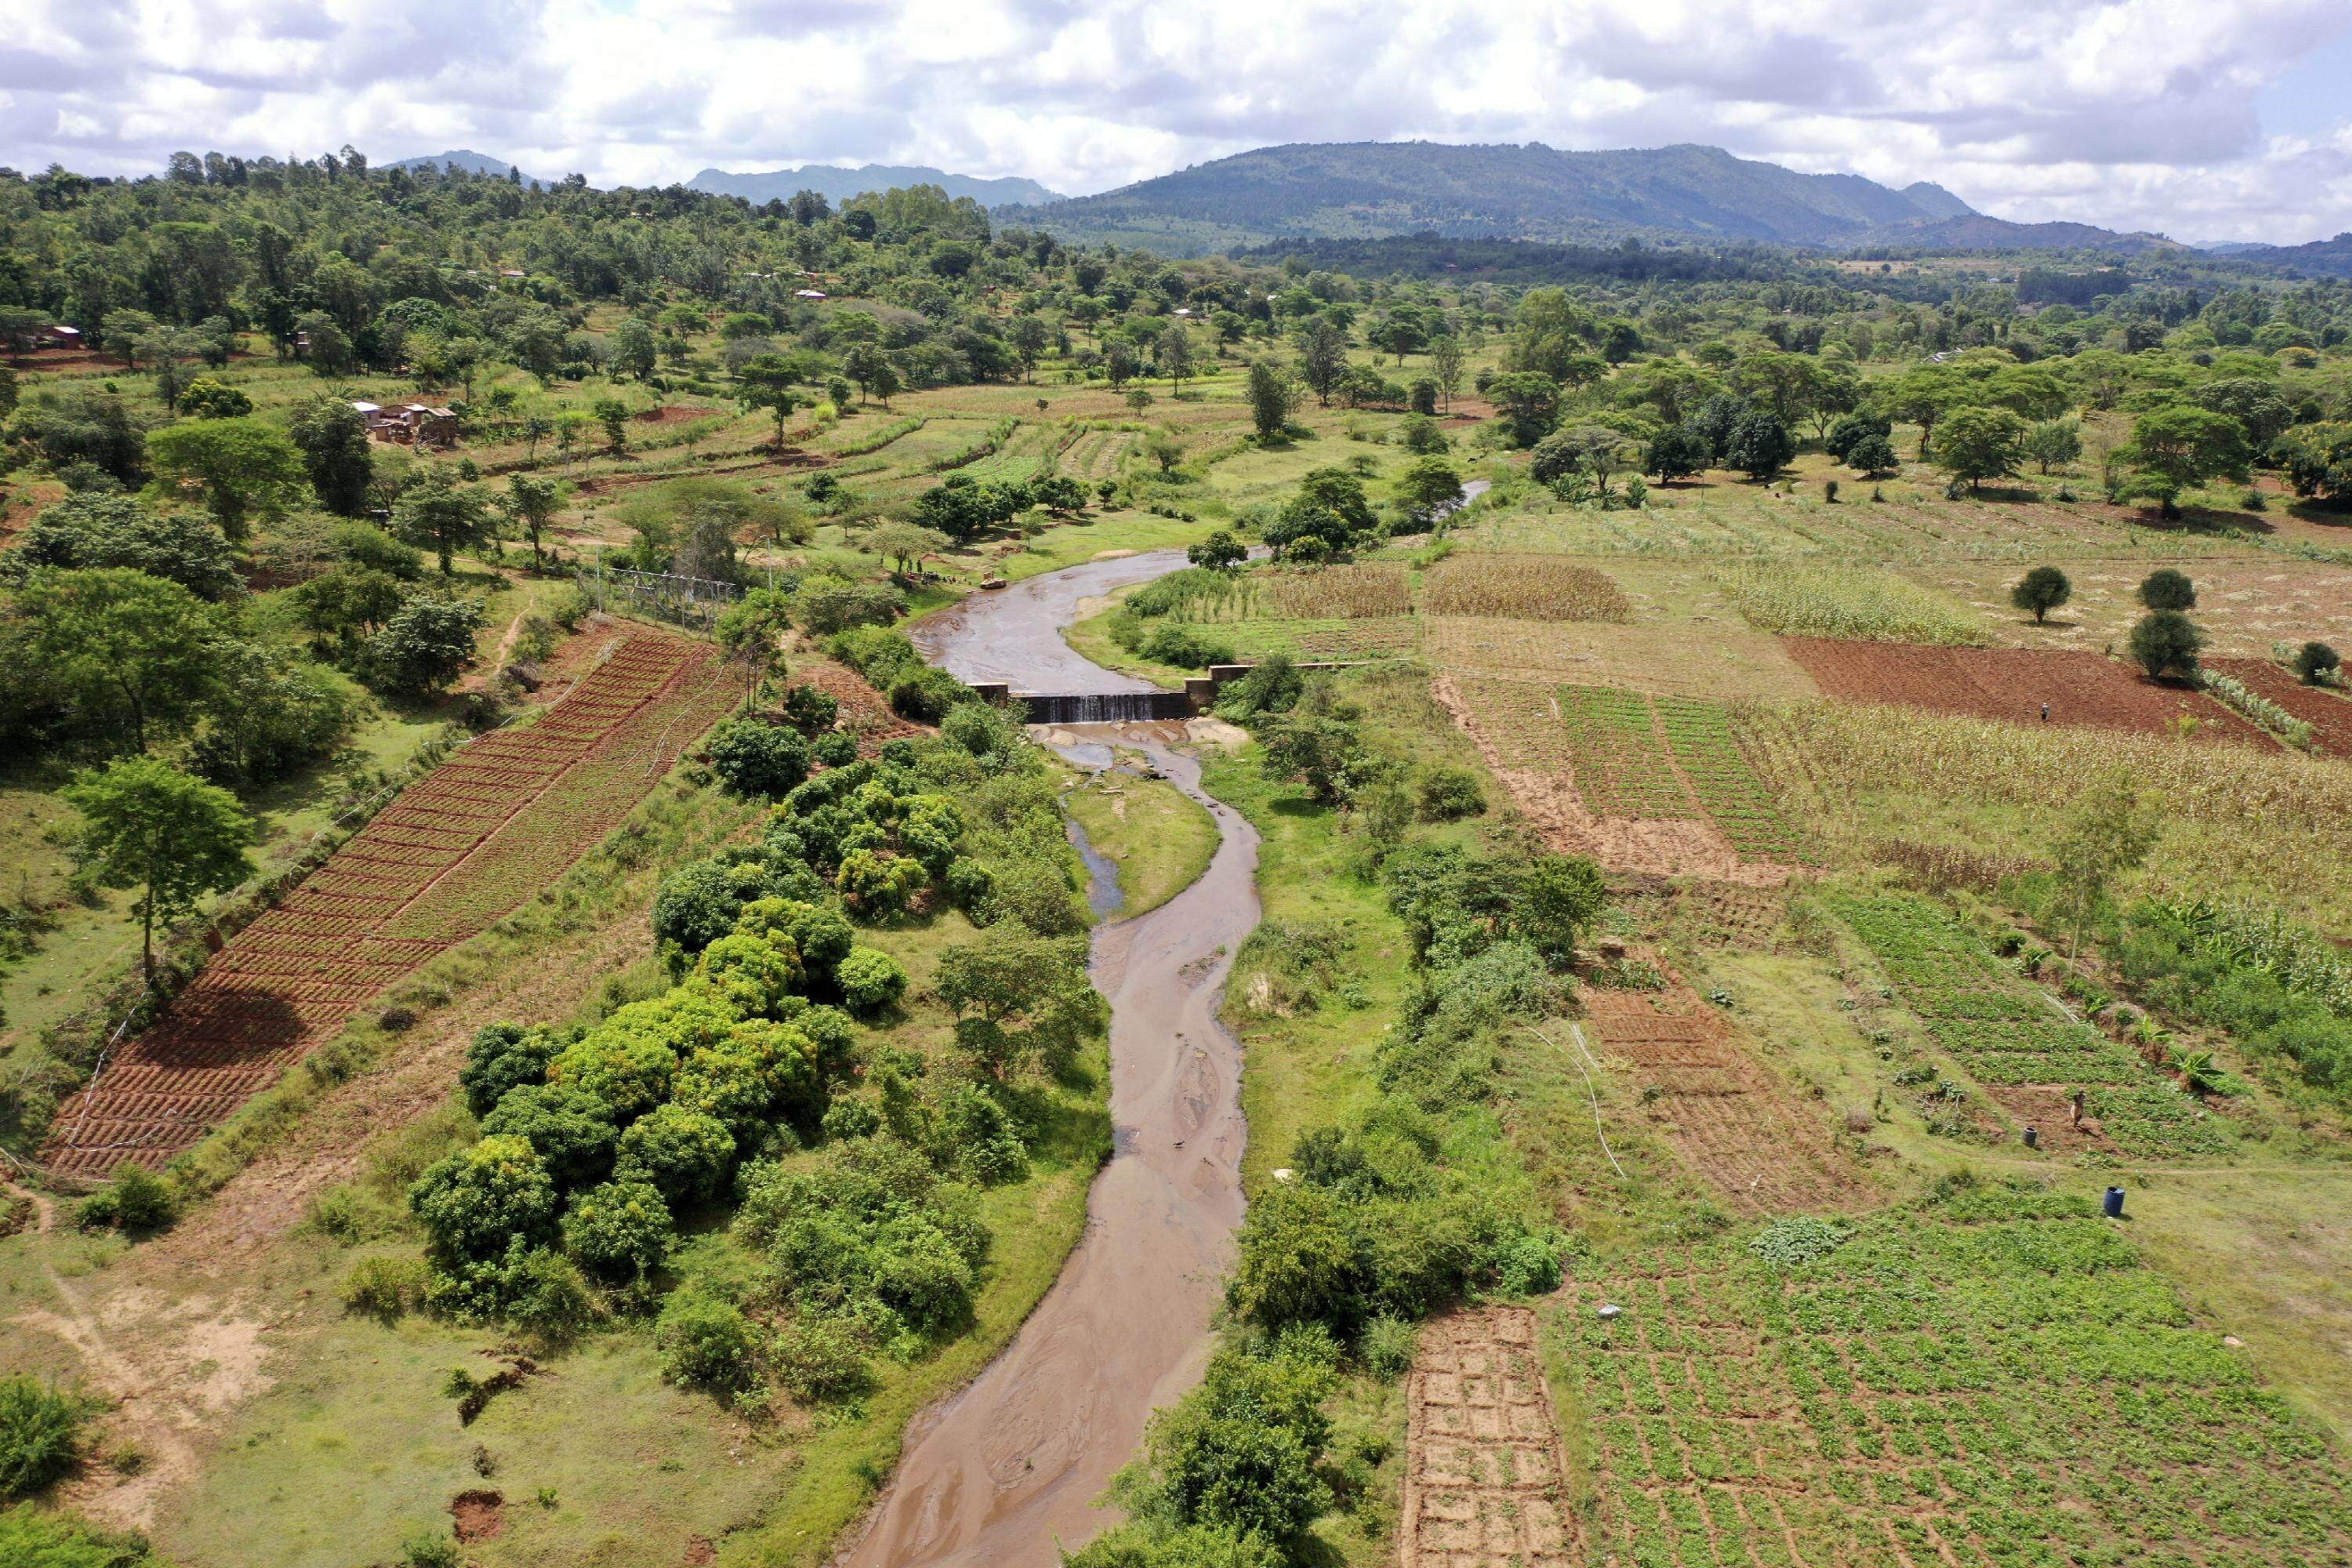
pixel 2166 642
pixel 878 886
pixel 2316 662
pixel 2041 591
pixel 547 1296
pixel 1386 1347
pixel 684 1153
pixel 818 1359
pixel 701 901
pixel 706 1344
pixel 476 1202
pixel 1185 645
pixel 810 710
pixel 570 1129
pixel 40 1434
pixel 136 1200
pixel 870 981
pixel 757 759
pixel 1445 793
pixel 384 1289
pixel 834 749
pixel 2168 589
pixel 504 1056
pixel 621 1230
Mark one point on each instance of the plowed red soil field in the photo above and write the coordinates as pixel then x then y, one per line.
pixel 2329 716
pixel 460 849
pixel 2013 683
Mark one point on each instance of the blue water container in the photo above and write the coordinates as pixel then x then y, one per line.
pixel 2112 1207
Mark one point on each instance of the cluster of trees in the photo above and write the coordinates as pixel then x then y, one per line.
pixel 733 1090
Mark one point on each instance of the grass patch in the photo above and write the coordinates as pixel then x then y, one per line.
pixel 1160 837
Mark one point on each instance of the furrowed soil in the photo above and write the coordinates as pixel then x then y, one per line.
pixel 453 852
pixel 2329 715
pixel 1486 1485
pixel 1724 1114
pixel 2012 684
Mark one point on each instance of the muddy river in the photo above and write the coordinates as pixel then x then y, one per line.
pixel 1008 1469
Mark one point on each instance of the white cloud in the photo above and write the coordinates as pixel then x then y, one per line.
pixel 2130 113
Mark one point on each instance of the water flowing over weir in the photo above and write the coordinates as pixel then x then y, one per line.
pixel 1003 1473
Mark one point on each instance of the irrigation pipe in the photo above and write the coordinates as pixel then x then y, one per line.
pixel 1591 1093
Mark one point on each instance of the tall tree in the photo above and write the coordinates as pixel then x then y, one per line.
pixel 438 511
pixel 148 826
pixel 333 438
pixel 1273 397
pixel 126 656
pixel 1322 356
pixel 532 504
pixel 238 464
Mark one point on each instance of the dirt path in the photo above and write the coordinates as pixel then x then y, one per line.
pixel 1007 1471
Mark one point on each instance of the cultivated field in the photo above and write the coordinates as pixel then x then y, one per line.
pixel 476 837
pixel 1485 1485
pixel 2012 684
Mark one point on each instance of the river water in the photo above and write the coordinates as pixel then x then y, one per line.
pixel 1007 1471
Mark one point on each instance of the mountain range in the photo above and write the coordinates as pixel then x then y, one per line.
pixel 837 184
pixel 470 162
pixel 1363 189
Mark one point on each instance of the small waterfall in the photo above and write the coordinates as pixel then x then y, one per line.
pixel 1106 707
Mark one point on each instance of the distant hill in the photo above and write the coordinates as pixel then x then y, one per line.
pixel 1362 189
pixel 472 163
pixel 2320 259
pixel 837 184
pixel 1978 231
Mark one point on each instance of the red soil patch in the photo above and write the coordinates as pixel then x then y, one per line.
pixel 865 712
pixel 1723 1113
pixel 1485 1482
pixel 479 1515
pixel 457 850
pixel 2012 683
pixel 674 414
pixel 2329 716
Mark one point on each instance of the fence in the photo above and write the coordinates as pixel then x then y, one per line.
pixel 697 602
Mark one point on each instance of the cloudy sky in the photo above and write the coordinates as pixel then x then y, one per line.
pixel 2203 121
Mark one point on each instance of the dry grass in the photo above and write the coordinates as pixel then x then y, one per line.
pixel 1682 660
pixel 1340 593
pixel 1525 587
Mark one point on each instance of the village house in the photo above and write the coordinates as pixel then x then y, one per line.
pixel 410 425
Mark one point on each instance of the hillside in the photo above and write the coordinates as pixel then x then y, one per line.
pixel 1354 190
pixel 1975 231
pixel 2321 258
pixel 837 184
pixel 472 163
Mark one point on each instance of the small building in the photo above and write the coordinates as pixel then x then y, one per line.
pixel 808 293
pixel 510 272
pixel 57 337
pixel 411 425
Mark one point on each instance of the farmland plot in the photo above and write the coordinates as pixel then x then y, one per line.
pixel 455 851
pixel 1994 1381
pixel 1655 785
pixel 1724 1114
pixel 2329 715
pixel 1485 1486
pixel 2029 1055
pixel 2013 683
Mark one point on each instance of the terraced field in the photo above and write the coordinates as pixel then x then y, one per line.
pixel 457 850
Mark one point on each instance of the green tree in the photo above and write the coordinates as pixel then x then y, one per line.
pixel 1677 452
pixel 125 655
pixel 437 510
pixel 768 383
pixel 93 530
pixel 613 416
pixel 635 349
pixel 1273 398
pixel 1529 403
pixel 1428 486
pixel 2054 443
pixel 1322 356
pixel 1758 445
pixel 147 826
pixel 2109 833
pixel 209 397
pixel 1447 359
pixel 2180 446
pixel 238 464
pixel 1873 457
pixel 2317 663
pixel 1221 551
pixel 425 645
pixel 530 504
pixel 2041 591
pixel 2167 588
pixel 333 438
pixel 2166 642
pixel 1981 444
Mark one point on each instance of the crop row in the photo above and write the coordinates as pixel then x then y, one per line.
pixel 1996 1379
pixel 2006 1033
